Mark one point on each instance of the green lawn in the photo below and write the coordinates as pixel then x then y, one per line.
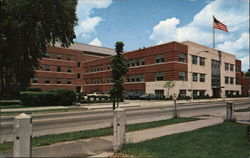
pixel 51 139
pixel 227 140
pixel 243 110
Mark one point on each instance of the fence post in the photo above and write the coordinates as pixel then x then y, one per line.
pixel 229 111
pixel 119 129
pixel 22 136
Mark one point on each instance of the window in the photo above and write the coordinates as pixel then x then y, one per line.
pixel 108 66
pixel 202 77
pixel 47 80
pixel 132 62
pixel 128 78
pixel 69 81
pixel 226 80
pixel 194 59
pixel 47 55
pixel 78 64
pixel 137 62
pixel 58 68
pixel 142 77
pixel 159 92
pixel 231 80
pixel 159 76
pixel 58 81
pixel 58 56
pixel 137 78
pixel 182 93
pixel 202 92
pixel 132 78
pixel 142 61
pixel 47 67
pixel 237 81
pixel 69 57
pixel 202 61
pixel 159 58
pixel 78 75
pixel 195 77
pixel 69 69
pixel 226 66
pixel 34 80
pixel 231 67
pixel 182 57
pixel 182 76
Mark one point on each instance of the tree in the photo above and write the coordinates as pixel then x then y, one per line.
pixel 169 85
pixel 119 69
pixel 27 27
pixel 247 73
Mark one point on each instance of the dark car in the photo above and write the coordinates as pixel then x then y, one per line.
pixel 147 96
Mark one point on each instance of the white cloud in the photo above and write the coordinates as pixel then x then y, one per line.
pixel 233 13
pixel 87 24
pixel 96 42
pixel 245 63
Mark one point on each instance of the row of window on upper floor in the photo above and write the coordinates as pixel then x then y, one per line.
pixel 195 60
pixel 59 56
pixel 134 62
pixel 159 76
pixel 58 68
pixel 47 80
pixel 230 80
pixel 201 77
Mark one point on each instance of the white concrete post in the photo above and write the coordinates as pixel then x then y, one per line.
pixel 22 136
pixel 119 129
pixel 229 111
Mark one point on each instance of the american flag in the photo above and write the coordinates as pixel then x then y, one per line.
pixel 219 25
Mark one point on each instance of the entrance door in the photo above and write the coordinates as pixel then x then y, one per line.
pixel 216 92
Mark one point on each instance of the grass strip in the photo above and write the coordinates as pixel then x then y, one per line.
pixel 55 138
pixel 225 140
pixel 243 110
pixel 13 106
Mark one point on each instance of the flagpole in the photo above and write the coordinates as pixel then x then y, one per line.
pixel 213 36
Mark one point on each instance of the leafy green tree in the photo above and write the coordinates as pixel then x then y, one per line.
pixel 169 85
pixel 27 27
pixel 247 73
pixel 119 69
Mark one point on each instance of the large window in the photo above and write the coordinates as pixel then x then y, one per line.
pixel 69 81
pixel 159 92
pixel 231 80
pixel 182 57
pixel 35 80
pixel 159 76
pixel 47 80
pixel 194 59
pixel 226 80
pixel 231 67
pixel 226 66
pixel 69 69
pixel 78 75
pixel 195 77
pixel 137 62
pixel 182 93
pixel 47 55
pixel 69 57
pixel 58 56
pixel 202 77
pixel 202 61
pixel 58 81
pixel 142 61
pixel 182 76
pixel 132 62
pixel 58 68
pixel 159 58
pixel 142 78
pixel 47 67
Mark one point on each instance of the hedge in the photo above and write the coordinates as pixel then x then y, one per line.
pixel 33 89
pixel 48 98
pixel 10 102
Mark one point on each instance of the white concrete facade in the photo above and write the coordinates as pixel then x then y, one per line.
pixel 209 54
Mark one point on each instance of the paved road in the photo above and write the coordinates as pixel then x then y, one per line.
pixel 51 123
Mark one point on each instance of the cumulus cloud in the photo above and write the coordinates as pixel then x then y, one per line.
pixel 233 13
pixel 96 42
pixel 245 62
pixel 87 24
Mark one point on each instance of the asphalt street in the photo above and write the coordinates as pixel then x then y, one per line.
pixel 52 123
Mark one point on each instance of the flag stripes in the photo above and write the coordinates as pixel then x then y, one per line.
pixel 219 25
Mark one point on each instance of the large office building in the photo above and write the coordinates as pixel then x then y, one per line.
pixel 193 67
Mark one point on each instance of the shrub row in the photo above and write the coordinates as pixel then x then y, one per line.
pixel 58 97
pixel 10 102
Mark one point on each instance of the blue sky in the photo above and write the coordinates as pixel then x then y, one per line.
pixel 140 23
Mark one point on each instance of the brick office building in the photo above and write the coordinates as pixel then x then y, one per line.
pixel 192 66
pixel 61 68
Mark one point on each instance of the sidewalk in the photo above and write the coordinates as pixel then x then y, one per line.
pixel 101 145
pixel 126 104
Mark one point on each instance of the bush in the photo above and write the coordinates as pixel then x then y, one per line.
pixel 33 89
pixel 48 98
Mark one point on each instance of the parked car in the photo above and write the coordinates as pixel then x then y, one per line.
pixel 147 96
pixel 131 95
pixel 98 94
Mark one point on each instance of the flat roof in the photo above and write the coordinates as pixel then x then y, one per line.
pixel 89 48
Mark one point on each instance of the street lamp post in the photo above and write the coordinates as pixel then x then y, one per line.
pixel 192 90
